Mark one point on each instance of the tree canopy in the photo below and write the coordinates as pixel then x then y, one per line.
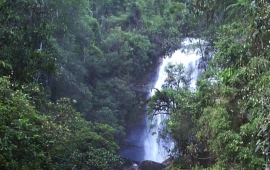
pixel 224 123
pixel 67 71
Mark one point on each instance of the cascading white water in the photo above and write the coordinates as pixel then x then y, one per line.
pixel 155 148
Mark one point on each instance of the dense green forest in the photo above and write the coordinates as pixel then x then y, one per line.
pixel 68 67
pixel 224 123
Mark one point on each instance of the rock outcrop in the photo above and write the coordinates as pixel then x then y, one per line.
pixel 168 161
pixel 151 165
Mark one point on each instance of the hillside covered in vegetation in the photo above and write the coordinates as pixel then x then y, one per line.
pixel 224 123
pixel 67 68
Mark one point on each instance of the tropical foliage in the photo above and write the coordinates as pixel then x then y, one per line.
pixel 68 71
pixel 223 124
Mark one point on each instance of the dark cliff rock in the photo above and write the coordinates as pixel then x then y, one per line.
pixel 151 165
pixel 168 161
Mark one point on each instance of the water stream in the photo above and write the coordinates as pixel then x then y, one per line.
pixel 141 144
pixel 155 148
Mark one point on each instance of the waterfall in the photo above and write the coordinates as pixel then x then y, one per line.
pixel 155 148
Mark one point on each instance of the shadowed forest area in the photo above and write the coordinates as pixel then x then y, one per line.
pixel 68 67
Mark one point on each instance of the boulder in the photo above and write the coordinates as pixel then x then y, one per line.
pixel 168 161
pixel 151 165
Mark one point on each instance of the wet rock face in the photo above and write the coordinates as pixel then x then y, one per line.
pixel 151 165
